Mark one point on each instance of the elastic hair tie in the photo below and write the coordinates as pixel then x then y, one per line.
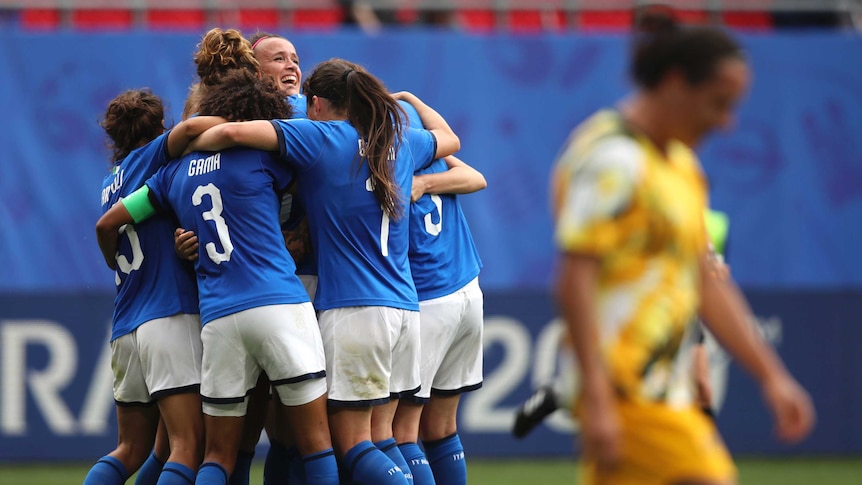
pixel 258 41
pixel 346 73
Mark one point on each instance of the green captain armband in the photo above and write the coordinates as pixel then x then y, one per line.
pixel 717 225
pixel 138 204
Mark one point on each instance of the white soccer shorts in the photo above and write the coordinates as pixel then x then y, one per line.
pixel 451 335
pixel 281 340
pixel 372 354
pixel 160 358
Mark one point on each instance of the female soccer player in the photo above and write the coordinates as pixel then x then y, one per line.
pixel 445 266
pixel 278 58
pixel 155 341
pixel 630 196
pixel 220 52
pixel 354 168
pixel 256 313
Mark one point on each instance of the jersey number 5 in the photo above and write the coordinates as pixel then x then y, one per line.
pixel 123 263
pixel 214 215
pixel 430 227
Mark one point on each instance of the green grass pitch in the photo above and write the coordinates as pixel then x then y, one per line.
pixel 789 471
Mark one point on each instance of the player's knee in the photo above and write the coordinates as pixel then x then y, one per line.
pixel 437 428
pixel 132 454
pixel 190 445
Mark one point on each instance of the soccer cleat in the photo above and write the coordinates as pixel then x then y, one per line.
pixel 534 410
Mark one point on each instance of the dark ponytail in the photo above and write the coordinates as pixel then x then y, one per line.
pixel 374 113
pixel 661 45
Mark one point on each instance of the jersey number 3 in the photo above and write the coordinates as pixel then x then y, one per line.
pixel 214 215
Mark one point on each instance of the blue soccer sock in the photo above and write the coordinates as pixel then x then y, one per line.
pixel 150 471
pixel 107 471
pixel 419 467
pixel 344 474
pixel 390 448
pixel 296 467
pixel 211 473
pixel 242 469
pixel 446 457
pixel 276 467
pixel 321 468
pixel 367 465
pixel 175 473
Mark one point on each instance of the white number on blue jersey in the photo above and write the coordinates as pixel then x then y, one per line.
pixel 430 227
pixel 214 215
pixel 384 224
pixel 123 263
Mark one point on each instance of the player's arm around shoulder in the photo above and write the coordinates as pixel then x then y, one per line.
pixel 258 134
pixel 460 178
pixel 448 142
pixel 187 130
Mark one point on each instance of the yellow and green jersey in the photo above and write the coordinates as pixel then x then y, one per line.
pixel 640 212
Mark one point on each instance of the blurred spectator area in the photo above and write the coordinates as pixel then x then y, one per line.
pixel 469 15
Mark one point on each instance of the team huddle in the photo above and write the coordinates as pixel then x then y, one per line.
pixel 293 257
pixel 282 263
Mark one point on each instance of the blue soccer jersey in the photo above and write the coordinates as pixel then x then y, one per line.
pixel 443 256
pixel 233 209
pixel 298 102
pixel 413 118
pixel 152 282
pixel 308 264
pixel 363 254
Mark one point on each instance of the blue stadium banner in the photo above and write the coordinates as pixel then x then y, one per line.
pixel 56 398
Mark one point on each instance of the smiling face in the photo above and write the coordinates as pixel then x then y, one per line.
pixel 278 58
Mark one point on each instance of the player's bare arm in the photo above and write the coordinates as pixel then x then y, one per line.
pixel 576 296
pixel 459 179
pixel 183 133
pixel 726 314
pixel 134 208
pixel 448 142
pixel 258 134
pixel 108 232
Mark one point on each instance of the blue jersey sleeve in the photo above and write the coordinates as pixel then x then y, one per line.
pixel 282 175
pixel 155 153
pixel 159 186
pixel 299 104
pixel 423 146
pixel 301 142
pixel 413 119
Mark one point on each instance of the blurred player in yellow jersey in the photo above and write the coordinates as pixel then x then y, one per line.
pixel 629 199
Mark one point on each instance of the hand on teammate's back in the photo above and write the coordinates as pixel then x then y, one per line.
pixel 418 188
pixel 186 244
